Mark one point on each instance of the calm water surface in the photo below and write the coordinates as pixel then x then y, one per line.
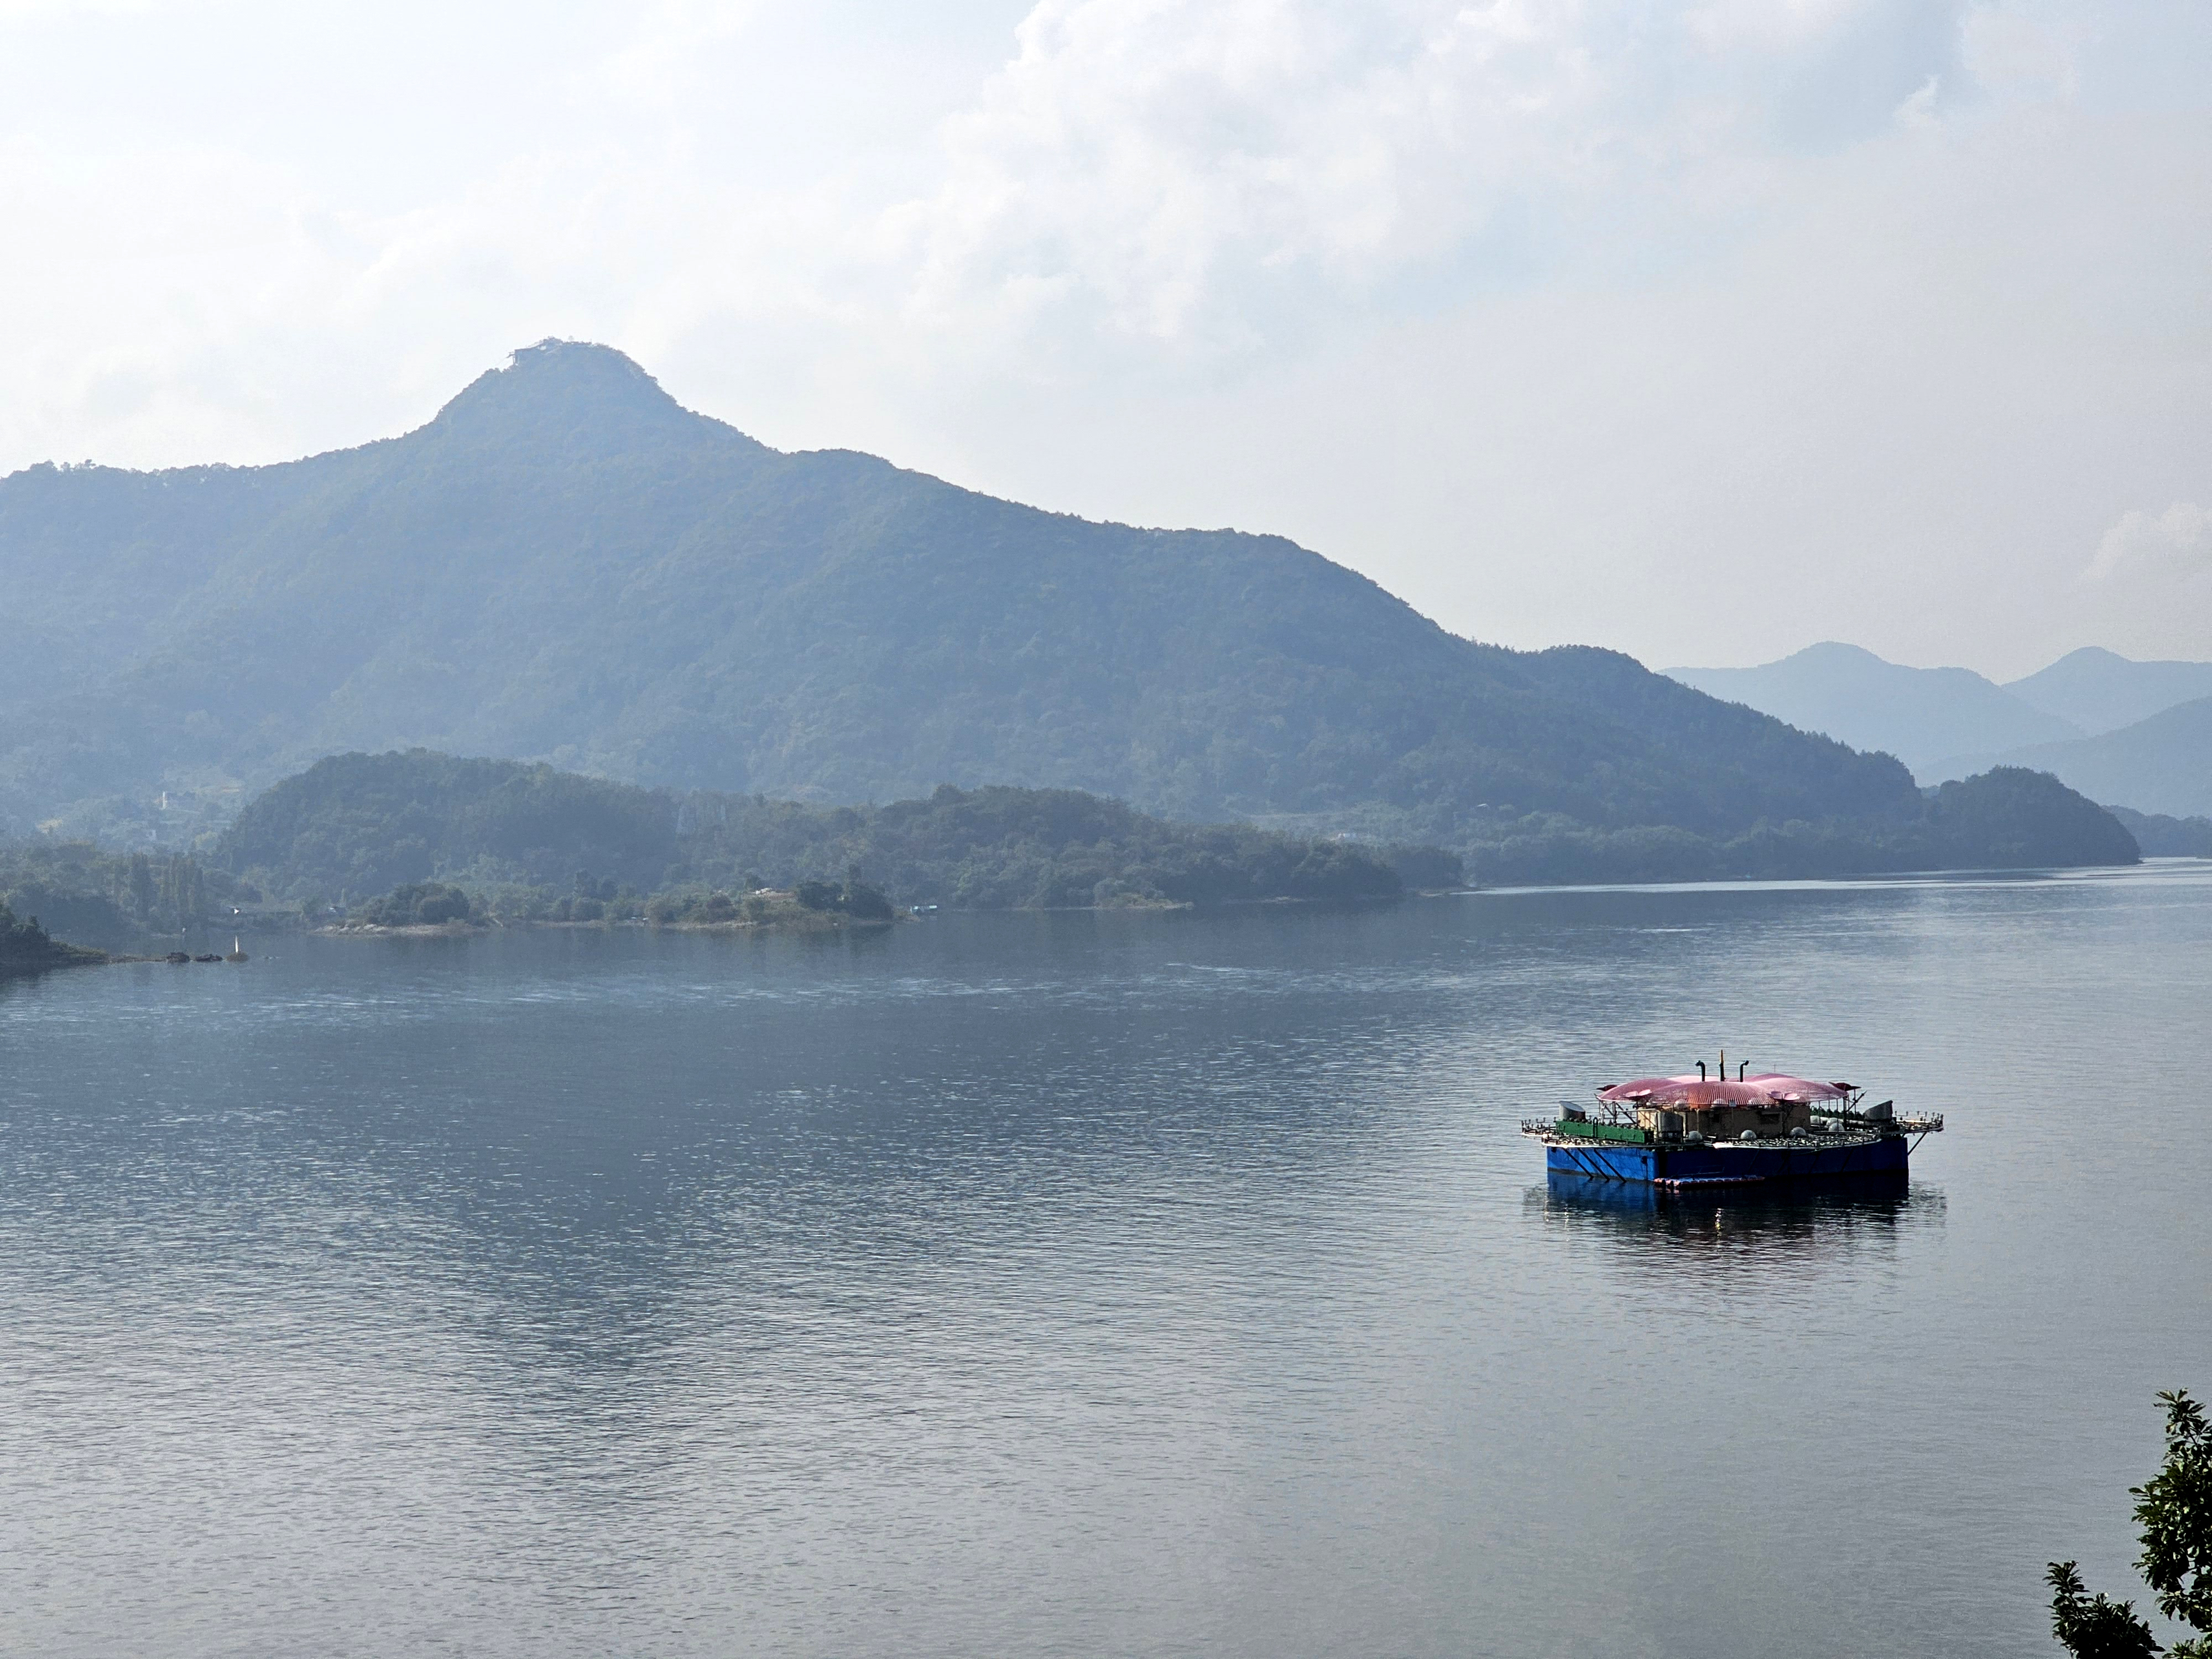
pixel 1093 1285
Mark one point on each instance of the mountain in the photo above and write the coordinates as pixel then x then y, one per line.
pixel 2100 691
pixel 567 566
pixel 2159 765
pixel 1924 716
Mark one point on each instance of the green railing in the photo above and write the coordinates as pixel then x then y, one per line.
pixel 1627 1132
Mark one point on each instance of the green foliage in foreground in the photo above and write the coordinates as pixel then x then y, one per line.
pixel 2174 1510
pixel 2094 1628
pixel 532 843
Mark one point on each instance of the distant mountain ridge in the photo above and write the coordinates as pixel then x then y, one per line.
pixel 2116 730
pixel 1924 716
pixel 2100 690
pixel 2162 765
pixel 567 566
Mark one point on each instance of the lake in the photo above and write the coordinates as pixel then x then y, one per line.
pixel 1096 1283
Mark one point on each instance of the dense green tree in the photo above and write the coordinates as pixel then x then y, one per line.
pixel 815 894
pixel 2094 1628
pixel 143 889
pixel 417 904
pixel 2174 1510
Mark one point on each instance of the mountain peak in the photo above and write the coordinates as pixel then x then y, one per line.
pixel 1830 652
pixel 2088 656
pixel 2100 691
pixel 562 388
pixel 1924 716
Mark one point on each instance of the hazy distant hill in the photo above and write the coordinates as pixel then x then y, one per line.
pixel 2162 765
pixel 1924 716
pixel 2100 691
pixel 2161 835
pixel 567 565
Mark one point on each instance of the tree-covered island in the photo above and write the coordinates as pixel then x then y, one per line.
pixel 424 840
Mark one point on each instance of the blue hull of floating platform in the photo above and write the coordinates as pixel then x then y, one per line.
pixel 1654 1197
pixel 1682 1166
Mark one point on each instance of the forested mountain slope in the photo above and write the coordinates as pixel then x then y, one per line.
pixel 566 565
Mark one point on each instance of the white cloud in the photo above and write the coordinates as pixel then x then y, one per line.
pixel 1145 187
pixel 1185 171
pixel 2014 50
pixel 2175 542
pixel 19 11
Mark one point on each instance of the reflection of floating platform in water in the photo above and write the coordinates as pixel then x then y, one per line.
pixel 1695 1133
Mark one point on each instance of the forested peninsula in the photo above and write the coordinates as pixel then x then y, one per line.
pixel 532 842
pixel 26 947
pixel 417 839
pixel 517 843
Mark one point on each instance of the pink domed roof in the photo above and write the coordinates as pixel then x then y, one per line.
pixel 1767 1088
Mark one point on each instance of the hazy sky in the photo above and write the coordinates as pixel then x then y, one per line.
pixel 1702 331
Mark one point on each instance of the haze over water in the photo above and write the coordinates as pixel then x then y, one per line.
pixel 1095 1284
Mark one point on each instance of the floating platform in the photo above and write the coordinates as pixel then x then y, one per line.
pixel 1689 1133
